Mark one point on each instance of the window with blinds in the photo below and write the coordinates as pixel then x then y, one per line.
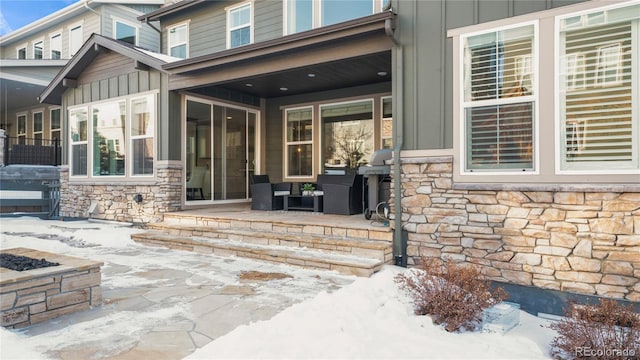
pixel 599 61
pixel 499 100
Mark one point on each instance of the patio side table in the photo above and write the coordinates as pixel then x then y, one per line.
pixel 301 202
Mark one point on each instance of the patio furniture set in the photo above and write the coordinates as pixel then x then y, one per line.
pixel 333 194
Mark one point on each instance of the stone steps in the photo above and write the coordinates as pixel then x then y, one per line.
pixel 297 256
pixel 319 243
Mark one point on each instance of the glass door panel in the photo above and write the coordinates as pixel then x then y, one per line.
pixel 236 159
pixel 198 151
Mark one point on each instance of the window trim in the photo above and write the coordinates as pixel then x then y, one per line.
pixel 128 176
pixel 71 28
pixel 131 137
pixel 186 42
pixel 33 123
pixel 24 47
pixel 51 128
pixel 382 120
pixel 18 115
pixel 114 24
pixel 228 11
pixel 311 142
pixel 34 43
pixel 51 37
pixel 558 126
pixel 535 98
pixel 316 14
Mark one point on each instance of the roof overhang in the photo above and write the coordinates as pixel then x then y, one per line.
pixel 358 50
pixel 21 81
pixel 169 9
pixel 93 47
pixel 64 14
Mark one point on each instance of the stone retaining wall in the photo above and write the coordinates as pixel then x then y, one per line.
pixel 115 201
pixel 33 296
pixel 577 241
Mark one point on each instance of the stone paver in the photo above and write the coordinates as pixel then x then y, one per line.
pixel 165 304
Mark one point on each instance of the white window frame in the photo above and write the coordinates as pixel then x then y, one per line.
pixel 51 37
pixel 26 51
pixel 74 48
pixel 250 25
pixel 33 48
pixel 154 116
pixel 33 124
pixel 635 101
pixel 316 21
pixel 53 130
pixel 18 133
pixel 127 138
pixel 117 20
pixel 186 42
pixel 463 104
pixel 305 142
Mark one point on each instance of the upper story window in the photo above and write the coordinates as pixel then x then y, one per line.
pixel 600 125
pixel 304 15
pixel 75 39
pixel 499 100
pixel 239 29
pixel 37 49
pixel 21 53
pixel 178 36
pixel 125 32
pixel 55 43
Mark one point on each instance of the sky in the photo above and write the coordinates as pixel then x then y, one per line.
pixel 15 14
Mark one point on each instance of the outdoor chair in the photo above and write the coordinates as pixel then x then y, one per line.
pixel 196 182
pixel 268 196
pixel 342 193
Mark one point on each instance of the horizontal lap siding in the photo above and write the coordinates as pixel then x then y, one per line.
pixel 268 20
pixel 147 37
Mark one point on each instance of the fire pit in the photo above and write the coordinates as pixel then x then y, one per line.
pixel 38 294
pixel 22 263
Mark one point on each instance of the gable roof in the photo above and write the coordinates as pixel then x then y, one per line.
pixel 94 46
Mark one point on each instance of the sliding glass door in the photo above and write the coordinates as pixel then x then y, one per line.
pixel 220 151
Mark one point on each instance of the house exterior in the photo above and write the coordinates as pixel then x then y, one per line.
pixel 30 57
pixel 514 124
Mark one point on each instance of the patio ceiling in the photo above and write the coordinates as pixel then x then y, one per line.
pixel 362 70
pixel 353 53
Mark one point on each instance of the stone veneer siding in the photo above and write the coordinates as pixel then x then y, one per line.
pixel 585 241
pixel 115 201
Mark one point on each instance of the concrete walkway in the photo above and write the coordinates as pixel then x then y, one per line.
pixel 160 303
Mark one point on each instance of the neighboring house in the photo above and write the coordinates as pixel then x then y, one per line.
pixel 514 124
pixel 31 56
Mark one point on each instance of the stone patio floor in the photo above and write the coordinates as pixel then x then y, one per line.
pixel 158 303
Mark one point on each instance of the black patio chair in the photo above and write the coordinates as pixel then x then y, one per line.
pixel 268 196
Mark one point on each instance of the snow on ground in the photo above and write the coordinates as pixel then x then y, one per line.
pixel 372 319
pixel 369 318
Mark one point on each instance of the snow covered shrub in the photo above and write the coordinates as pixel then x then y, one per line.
pixel 607 330
pixel 452 294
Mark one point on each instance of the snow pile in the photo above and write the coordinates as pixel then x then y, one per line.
pixel 372 318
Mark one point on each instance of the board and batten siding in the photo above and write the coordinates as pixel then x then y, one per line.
pixel 147 37
pixel 112 75
pixel 427 85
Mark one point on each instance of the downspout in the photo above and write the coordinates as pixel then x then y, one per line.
pixel 399 248
pixel 146 21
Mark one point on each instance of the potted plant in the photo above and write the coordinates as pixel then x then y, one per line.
pixel 307 189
